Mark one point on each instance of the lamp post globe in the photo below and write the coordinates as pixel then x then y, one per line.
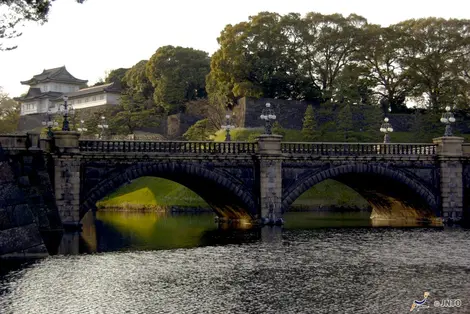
pixel 386 128
pixel 66 110
pixel 82 128
pixel 268 115
pixel 49 123
pixel 447 118
pixel 227 127
pixel 103 126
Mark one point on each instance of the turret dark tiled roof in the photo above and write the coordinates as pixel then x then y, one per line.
pixel 109 88
pixel 54 75
pixel 35 93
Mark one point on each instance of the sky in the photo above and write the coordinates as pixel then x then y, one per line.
pixel 100 35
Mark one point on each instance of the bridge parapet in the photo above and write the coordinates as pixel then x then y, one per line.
pixel 175 147
pixel 20 142
pixel 466 149
pixel 357 149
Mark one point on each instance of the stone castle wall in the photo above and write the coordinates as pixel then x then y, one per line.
pixel 28 214
pixel 290 114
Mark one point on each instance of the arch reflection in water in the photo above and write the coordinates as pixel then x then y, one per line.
pixel 137 231
pixel 130 231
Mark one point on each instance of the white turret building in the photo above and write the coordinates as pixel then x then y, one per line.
pixel 47 89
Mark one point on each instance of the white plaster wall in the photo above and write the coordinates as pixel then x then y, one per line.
pixel 88 101
pixel 33 108
pixel 56 87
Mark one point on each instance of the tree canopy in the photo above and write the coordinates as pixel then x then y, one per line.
pixel 9 113
pixel 340 59
pixel 177 75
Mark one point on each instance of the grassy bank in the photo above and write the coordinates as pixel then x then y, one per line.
pixel 151 193
pixel 157 194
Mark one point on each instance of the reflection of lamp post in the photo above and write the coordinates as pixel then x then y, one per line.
pixel 102 126
pixel 49 123
pixel 227 127
pixel 66 111
pixel 268 115
pixel 386 128
pixel 447 119
pixel 82 128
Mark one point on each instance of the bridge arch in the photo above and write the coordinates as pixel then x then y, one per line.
pixel 381 186
pixel 223 193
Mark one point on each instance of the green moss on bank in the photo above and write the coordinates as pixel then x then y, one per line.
pixel 158 194
pixel 151 192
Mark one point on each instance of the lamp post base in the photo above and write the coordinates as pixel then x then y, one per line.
pixel 448 131
pixel 386 138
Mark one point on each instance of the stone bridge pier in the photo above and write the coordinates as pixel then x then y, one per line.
pixel 67 174
pixel 451 162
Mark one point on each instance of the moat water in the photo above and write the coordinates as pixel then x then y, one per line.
pixel 316 263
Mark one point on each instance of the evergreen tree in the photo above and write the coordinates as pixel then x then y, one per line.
pixel 309 124
pixel 278 129
pixel 345 120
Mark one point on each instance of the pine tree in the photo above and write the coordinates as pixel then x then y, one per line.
pixel 309 124
pixel 278 129
pixel 345 120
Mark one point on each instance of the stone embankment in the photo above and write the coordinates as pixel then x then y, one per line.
pixel 29 221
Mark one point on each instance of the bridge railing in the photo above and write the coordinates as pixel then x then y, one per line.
pixel 180 147
pixel 358 149
pixel 466 149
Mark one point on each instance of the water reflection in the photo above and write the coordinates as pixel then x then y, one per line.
pixel 137 231
pixel 317 263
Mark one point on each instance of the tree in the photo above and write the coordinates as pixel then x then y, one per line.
pixel 200 131
pixel 132 113
pixel 278 129
pixel 328 45
pixel 9 113
pixel 309 124
pixel 381 52
pixel 136 82
pixel 177 75
pixel 345 120
pixel 17 12
pixel 116 76
pixel 260 58
pixel 433 49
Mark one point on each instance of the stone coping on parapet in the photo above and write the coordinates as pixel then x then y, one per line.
pixel 160 156
pixel 377 157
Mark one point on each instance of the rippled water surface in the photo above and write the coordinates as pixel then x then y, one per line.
pixel 150 264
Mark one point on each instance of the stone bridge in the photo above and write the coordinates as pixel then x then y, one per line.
pixel 257 181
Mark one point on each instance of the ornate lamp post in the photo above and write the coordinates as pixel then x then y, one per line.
pixel 103 126
pixel 447 119
pixel 227 127
pixel 82 128
pixel 386 128
pixel 268 115
pixel 66 110
pixel 49 123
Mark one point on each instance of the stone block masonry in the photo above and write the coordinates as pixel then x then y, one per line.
pixel 27 204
